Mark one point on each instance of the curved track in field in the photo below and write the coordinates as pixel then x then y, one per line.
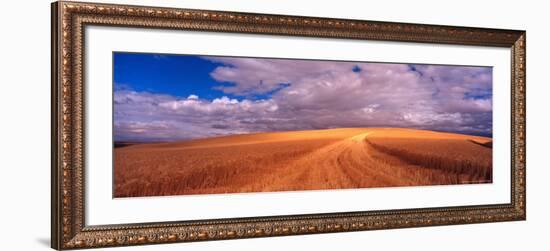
pixel 348 163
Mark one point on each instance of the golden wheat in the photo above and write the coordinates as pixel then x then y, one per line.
pixel 301 160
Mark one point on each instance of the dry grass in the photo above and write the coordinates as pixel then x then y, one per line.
pixel 303 160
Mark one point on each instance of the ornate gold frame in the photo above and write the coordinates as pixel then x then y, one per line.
pixel 68 228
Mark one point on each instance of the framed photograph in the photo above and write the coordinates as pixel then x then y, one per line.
pixel 176 125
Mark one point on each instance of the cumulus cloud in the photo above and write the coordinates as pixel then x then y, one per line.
pixel 157 117
pixel 304 94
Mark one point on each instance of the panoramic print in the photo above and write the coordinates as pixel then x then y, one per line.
pixel 193 124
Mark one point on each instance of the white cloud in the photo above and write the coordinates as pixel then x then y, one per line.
pixel 319 94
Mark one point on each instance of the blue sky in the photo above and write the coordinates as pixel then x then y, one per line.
pixel 161 97
pixel 176 75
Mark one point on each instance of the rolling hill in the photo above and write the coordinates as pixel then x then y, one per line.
pixel 341 158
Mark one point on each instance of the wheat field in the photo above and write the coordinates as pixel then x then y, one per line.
pixel 302 160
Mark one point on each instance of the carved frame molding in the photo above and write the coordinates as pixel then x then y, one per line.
pixel 68 226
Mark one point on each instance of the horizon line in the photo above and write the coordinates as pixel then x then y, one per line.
pixel 155 141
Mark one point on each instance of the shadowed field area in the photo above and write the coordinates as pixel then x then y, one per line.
pixel 302 160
